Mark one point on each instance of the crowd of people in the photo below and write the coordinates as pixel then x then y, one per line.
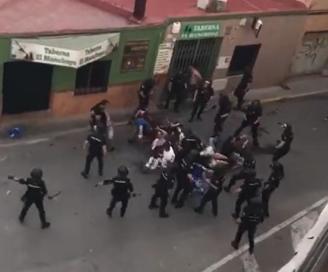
pixel 188 166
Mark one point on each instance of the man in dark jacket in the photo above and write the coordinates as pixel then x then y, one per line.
pixel 283 146
pixel 222 114
pixel 178 87
pixel 253 114
pixel 201 97
pixel 36 191
pixel 122 189
pixel 215 188
pixel 162 187
pixel 145 91
pixel 250 189
pixel 272 184
pixel 252 215
pixel 243 86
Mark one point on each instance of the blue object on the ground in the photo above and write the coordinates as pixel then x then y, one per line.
pixel 15 133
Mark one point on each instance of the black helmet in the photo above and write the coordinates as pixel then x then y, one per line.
pixel 36 173
pixel 122 171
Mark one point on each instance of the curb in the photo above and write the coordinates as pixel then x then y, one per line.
pixel 294 96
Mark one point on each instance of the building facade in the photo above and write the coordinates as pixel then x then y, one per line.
pixel 311 56
pixel 68 74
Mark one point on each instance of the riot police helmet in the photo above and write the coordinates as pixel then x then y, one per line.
pixel 122 171
pixel 36 173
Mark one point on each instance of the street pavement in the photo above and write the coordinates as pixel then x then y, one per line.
pixel 83 239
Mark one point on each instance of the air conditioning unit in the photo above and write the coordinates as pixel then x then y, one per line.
pixel 212 5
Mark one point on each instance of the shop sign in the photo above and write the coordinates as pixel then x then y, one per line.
pixel 32 51
pixel 163 60
pixel 134 56
pixel 200 30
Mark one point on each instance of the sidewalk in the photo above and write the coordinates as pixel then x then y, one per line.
pixel 43 126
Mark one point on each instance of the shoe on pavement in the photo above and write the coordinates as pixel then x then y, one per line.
pixel 83 174
pixel 151 207
pixel 165 215
pixel 197 210
pixel 234 245
pixel 45 225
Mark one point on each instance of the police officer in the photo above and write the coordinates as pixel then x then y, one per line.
pixel 145 92
pixel 178 87
pixel 243 86
pixel 252 215
pixel 222 114
pixel 122 189
pixel 248 190
pixel 36 191
pixel 271 185
pixel 247 171
pixel 162 187
pixel 283 146
pixel 252 118
pixel 201 97
pixel 181 173
pixel 96 145
pixel 215 188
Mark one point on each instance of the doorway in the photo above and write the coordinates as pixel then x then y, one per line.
pixel 243 56
pixel 26 87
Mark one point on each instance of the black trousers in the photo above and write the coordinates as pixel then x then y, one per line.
pixel 279 153
pixel 115 199
pixel 197 108
pixel 266 194
pixel 181 180
pixel 240 98
pixel 90 158
pixel 178 100
pixel 38 202
pixel 240 175
pixel 163 197
pixel 251 229
pixel 187 189
pixel 218 127
pixel 242 198
pixel 209 196
pixel 254 129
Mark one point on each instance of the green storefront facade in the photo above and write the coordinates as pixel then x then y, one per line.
pixel 131 62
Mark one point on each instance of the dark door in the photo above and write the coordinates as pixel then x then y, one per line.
pixel 243 56
pixel 26 87
pixel 201 53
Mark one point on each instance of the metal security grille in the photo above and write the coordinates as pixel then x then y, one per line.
pixel 201 53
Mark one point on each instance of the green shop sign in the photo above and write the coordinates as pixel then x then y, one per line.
pixel 201 30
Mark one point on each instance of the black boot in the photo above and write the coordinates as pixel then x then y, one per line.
pixel 45 225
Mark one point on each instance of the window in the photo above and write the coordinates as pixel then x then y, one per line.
pixel 242 57
pixel 134 57
pixel 92 78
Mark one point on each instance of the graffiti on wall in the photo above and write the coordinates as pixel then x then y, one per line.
pixel 312 49
pixel 312 55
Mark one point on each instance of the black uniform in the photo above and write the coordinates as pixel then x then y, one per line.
pixel 222 114
pixel 271 185
pixel 252 215
pixel 96 145
pixel 182 170
pixel 36 190
pixel 162 187
pixel 177 91
pixel 252 115
pixel 144 92
pixel 249 190
pixel 212 194
pixel 202 96
pixel 283 146
pixel 242 88
pixel 122 188
pixel 248 171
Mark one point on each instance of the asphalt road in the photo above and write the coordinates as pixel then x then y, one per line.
pixel 82 238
